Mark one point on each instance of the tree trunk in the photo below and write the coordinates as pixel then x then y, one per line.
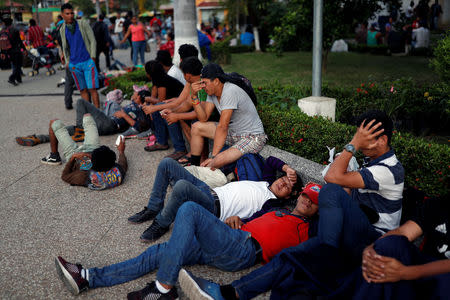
pixel 325 60
pixel 185 21
pixel 37 12
pixel 97 8
pixel 256 34
pixel 107 7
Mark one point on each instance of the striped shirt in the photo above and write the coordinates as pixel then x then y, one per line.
pixel 36 36
pixel 383 180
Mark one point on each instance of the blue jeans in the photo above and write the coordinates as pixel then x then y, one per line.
pixel 186 188
pixel 398 247
pixel 163 130
pixel 138 48
pixel 198 237
pixel 105 124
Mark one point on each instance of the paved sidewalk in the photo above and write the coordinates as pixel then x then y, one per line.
pixel 42 217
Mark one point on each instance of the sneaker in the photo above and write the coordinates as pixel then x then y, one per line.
pixel 153 233
pixel 70 274
pixel 151 292
pixel 12 82
pixel 51 159
pixel 156 147
pixel 196 288
pixel 145 134
pixel 143 216
pixel 31 140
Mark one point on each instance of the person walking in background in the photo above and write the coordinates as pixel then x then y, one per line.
pixel 137 31
pixel 11 45
pixel 102 38
pixel 127 24
pixel 436 11
pixel 35 35
pixel 78 50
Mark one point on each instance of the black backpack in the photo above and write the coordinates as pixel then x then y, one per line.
pixel 244 83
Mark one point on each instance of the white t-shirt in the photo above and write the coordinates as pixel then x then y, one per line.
pixel 242 198
pixel 119 25
pixel 176 73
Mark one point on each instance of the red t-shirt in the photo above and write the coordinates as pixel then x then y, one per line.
pixel 169 46
pixel 276 231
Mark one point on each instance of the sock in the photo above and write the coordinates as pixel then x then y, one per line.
pixel 228 292
pixel 85 274
pixel 195 160
pixel 161 289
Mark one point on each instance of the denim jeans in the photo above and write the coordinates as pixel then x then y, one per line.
pixel 105 124
pixel 138 48
pixel 186 188
pixel 198 237
pixel 163 130
pixel 398 247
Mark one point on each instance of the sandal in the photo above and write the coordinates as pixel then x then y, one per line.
pixel 185 160
pixel 156 147
pixel 177 155
pixel 151 140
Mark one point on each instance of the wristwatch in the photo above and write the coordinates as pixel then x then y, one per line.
pixel 350 148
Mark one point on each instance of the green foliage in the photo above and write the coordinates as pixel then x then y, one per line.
pixel 362 48
pixel 441 61
pixel 427 165
pixel 220 52
pixel 126 82
pixel 241 49
pixel 86 6
pixel 412 106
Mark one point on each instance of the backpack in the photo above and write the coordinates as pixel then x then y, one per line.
pixel 5 43
pixel 244 83
pixel 249 167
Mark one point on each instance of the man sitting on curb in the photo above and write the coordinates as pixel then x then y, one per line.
pixel 240 198
pixel 348 223
pixel 89 164
pixel 394 266
pixel 199 237
pixel 239 126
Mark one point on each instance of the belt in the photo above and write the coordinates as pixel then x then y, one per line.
pixel 216 203
pixel 258 251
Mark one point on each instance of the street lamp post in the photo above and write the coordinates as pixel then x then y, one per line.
pixel 317 49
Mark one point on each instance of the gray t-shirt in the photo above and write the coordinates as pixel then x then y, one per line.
pixel 245 119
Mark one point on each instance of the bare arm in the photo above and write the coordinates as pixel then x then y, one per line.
pixel 126 35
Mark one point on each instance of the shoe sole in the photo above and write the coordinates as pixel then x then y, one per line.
pixel 191 288
pixel 155 149
pixel 66 277
pixel 52 163
pixel 23 142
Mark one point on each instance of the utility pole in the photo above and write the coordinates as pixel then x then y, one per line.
pixel 317 49
pixel 97 8
pixel 37 12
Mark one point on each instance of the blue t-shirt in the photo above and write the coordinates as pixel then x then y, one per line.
pixel 78 52
pixel 383 180
pixel 136 113
pixel 247 38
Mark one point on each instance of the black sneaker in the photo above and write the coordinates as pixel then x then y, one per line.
pixel 143 216
pixel 151 292
pixel 13 82
pixel 153 233
pixel 51 159
pixel 70 274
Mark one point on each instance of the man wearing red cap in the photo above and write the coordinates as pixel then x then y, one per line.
pixel 199 237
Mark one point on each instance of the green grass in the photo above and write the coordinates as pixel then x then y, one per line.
pixel 344 69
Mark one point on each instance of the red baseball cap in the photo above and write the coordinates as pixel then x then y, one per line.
pixel 312 191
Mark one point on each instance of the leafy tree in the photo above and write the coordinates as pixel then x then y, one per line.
pixel 441 60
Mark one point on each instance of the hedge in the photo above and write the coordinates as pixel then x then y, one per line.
pixel 412 106
pixel 125 82
pixel 427 165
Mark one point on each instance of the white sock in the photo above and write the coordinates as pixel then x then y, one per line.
pixel 160 288
pixel 85 274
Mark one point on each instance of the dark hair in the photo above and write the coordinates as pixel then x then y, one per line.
pixel 171 35
pixel 156 71
pixel 66 6
pixel 7 21
pixel 163 56
pixel 129 14
pixel 378 116
pixel 212 71
pixel 32 22
pixel 103 159
pixel 249 28
pixel 143 94
pixel 59 17
pixel 187 50
pixel 101 17
pixel 191 65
